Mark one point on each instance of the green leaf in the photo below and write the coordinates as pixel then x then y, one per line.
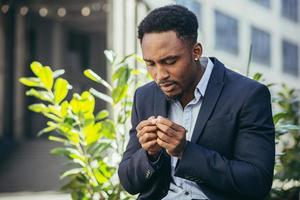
pixel 103 114
pixel 39 107
pixel 271 85
pixel 58 73
pixel 42 95
pixel 108 129
pixel 110 55
pixel 73 136
pixel 31 82
pixel 277 117
pixel 126 57
pixel 257 76
pixel 74 171
pixel 60 151
pixel 100 95
pixel 57 139
pixel 122 75
pixel 116 75
pixel 100 177
pixel 52 116
pixel 91 133
pixel 46 77
pixel 36 68
pixel 95 77
pixel 64 108
pixel 98 148
pixel 46 130
pixel 88 102
pixel 60 90
pixel 119 93
pixel 54 109
pixel 136 72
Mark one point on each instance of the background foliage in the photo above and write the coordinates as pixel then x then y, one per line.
pixel 92 143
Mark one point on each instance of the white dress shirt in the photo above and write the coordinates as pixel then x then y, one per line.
pixel 181 188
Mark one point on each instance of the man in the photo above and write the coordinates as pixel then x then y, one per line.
pixel 199 130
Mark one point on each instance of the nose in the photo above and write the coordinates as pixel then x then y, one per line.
pixel 161 73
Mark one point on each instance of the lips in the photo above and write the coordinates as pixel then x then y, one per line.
pixel 167 87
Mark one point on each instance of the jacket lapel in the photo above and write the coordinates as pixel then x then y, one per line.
pixel 210 98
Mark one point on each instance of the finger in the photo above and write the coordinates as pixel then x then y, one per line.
pixel 163 144
pixel 146 129
pixel 144 123
pixel 167 130
pixel 164 137
pixel 149 144
pixel 165 121
pixel 147 137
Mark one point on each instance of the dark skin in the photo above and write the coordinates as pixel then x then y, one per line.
pixel 174 65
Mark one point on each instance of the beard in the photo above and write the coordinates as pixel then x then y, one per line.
pixel 168 97
pixel 176 97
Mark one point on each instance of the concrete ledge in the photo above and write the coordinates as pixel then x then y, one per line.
pixel 49 195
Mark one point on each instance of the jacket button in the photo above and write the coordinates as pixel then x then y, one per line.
pixel 148 173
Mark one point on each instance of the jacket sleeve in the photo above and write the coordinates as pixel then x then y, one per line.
pixel 250 172
pixel 136 172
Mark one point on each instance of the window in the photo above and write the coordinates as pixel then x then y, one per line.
pixel 226 33
pixel 265 3
pixel 261 46
pixel 289 9
pixel 194 6
pixel 290 61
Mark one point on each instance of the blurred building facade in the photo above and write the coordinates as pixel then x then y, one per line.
pixel 72 34
pixel 272 27
pixel 65 34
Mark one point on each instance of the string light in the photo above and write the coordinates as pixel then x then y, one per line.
pixel 23 10
pixel 85 11
pixel 43 12
pixel 61 12
pixel 5 8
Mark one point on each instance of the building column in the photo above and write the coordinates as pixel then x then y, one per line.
pixel 9 81
pixel 57 47
pixel 20 66
pixel 2 73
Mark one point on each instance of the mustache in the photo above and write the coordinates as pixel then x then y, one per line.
pixel 162 82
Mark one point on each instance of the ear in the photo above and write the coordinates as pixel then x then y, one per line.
pixel 197 51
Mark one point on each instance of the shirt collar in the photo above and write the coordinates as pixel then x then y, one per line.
pixel 202 85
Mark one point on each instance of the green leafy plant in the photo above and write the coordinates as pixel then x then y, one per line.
pixel 93 143
pixel 286 184
pixel 287 173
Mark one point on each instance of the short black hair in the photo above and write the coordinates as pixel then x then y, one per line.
pixel 170 18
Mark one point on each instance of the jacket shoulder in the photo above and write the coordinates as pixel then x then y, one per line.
pixel 145 90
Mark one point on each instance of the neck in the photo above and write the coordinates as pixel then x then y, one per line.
pixel 189 94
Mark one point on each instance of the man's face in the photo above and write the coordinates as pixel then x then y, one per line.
pixel 171 62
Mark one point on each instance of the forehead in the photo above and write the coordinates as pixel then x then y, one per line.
pixel 157 45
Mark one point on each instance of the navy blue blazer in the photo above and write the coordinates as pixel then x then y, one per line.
pixel 231 153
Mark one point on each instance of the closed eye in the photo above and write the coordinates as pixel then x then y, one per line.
pixel 170 61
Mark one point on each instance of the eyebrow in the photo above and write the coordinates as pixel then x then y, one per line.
pixel 162 59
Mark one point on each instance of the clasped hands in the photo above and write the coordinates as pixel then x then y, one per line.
pixel 157 133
